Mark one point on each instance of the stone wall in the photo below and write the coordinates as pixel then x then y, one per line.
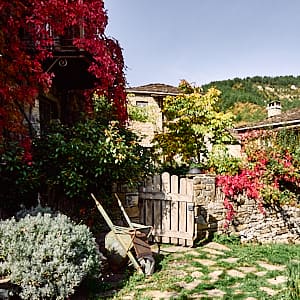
pixel 35 116
pixel 276 226
pixel 282 225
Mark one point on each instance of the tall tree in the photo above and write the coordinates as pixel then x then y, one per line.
pixel 193 122
pixel 28 30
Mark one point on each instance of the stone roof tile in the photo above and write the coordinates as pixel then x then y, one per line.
pixel 157 88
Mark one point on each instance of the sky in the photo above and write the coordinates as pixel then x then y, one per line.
pixel 201 41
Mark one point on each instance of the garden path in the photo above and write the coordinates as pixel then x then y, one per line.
pixel 212 264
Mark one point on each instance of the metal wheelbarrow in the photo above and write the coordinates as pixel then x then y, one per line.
pixel 128 238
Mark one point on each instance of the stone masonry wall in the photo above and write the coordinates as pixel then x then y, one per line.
pixel 281 226
pixel 146 130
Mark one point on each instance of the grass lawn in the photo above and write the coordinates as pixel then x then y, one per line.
pixel 219 270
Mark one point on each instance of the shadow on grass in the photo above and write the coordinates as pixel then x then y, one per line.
pixel 112 282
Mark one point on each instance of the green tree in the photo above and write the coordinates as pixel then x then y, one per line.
pixel 248 112
pixel 193 123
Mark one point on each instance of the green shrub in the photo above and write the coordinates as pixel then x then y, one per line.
pixel 137 113
pixel 231 239
pixel 220 161
pixel 90 157
pixel 18 178
pixel 47 255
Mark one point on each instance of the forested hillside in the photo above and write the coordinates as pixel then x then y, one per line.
pixel 247 98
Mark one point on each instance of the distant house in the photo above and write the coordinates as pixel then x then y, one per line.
pixel 276 120
pixel 148 99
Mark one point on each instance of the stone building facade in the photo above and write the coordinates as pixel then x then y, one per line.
pixel 149 98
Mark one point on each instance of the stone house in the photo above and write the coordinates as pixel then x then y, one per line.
pixel 148 99
pixel 277 120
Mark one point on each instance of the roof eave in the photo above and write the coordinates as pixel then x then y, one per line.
pixel 151 93
pixel 261 126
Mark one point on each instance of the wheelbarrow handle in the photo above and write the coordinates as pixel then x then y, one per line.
pixel 103 213
pixel 113 229
pixel 123 211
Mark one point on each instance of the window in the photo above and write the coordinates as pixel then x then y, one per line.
pixel 48 112
pixel 141 103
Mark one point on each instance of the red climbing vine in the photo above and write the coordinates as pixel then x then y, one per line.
pixel 269 172
pixel 27 33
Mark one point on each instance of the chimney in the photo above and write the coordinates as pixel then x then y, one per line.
pixel 274 109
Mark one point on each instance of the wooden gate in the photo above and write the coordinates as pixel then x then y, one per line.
pixel 166 203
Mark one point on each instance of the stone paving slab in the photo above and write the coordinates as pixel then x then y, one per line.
pixel 190 285
pixel 129 296
pixel 197 274
pixel 271 267
pixel 205 262
pixel 177 273
pixel 178 263
pixel 277 280
pixel 212 251
pixel 268 290
pixel 247 269
pixel 215 275
pixel 215 293
pixel 236 273
pixel 179 268
pixel 157 295
pixel 217 246
pixel 193 252
pixel 230 260
pixel 261 273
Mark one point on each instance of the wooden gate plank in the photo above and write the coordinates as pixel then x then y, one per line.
pixel 157 226
pixel 142 210
pixel 174 208
pixel 190 213
pixel 183 210
pixel 165 225
pixel 174 220
pixel 156 183
pixel 165 182
pixel 149 212
pixel 182 221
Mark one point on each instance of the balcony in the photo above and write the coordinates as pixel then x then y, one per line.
pixel 53 42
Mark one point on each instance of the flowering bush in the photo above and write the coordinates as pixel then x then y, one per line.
pixel 46 255
pixel 269 173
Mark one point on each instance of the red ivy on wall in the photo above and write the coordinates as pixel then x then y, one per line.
pixel 22 76
pixel 269 173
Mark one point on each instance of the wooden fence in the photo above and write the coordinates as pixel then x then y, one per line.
pixel 166 203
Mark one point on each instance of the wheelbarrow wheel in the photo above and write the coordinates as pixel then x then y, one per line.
pixel 147 263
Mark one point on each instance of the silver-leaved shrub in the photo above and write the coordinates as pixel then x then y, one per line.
pixel 47 255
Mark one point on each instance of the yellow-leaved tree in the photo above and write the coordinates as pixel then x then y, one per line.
pixel 193 124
